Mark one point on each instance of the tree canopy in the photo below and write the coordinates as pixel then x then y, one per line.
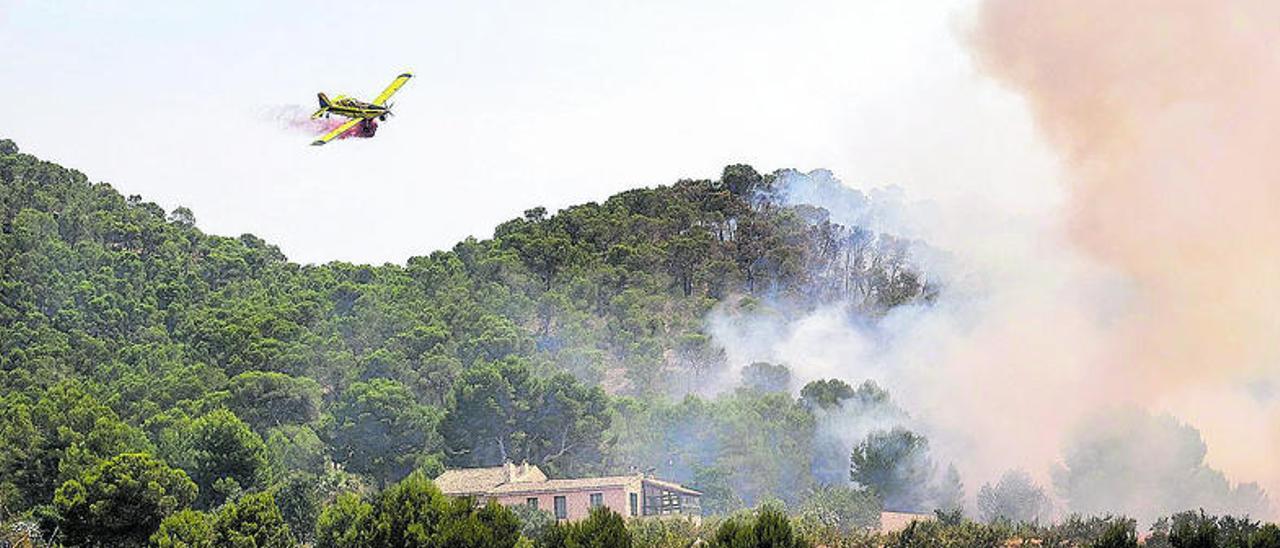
pixel 161 383
pixel 121 501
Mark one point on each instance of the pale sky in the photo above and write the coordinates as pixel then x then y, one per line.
pixel 515 105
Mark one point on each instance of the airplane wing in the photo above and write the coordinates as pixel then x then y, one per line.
pixel 392 89
pixel 336 132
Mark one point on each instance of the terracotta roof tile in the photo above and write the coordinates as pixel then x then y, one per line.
pixel 565 485
pixel 494 481
pixel 470 481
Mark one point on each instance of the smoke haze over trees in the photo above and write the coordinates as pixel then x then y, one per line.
pixel 714 332
pixel 130 331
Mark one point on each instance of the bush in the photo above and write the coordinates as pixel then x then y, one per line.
pixel 1015 498
pixel 1185 530
pixel 1118 534
pixel 344 523
pixel 602 529
pixel 298 497
pixel 930 534
pixel 842 508
pixel 770 527
pixel 1267 536
pixel 534 523
pixel 185 529
pixel 251 521
pixel 1078 530
pixel 122 501
pixel 414 512
pixel 673 532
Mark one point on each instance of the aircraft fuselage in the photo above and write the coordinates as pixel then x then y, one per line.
pixel 357 109
pixel 351 108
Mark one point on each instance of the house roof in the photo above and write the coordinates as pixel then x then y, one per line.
pixel 672 486
pixel 471 481
pixel 565 485
pixel 511 479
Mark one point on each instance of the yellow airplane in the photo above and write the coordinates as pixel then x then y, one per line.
pixel 359 112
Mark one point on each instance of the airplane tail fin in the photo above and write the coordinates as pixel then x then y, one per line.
pixel 324 106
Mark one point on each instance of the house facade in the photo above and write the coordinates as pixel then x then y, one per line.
pixel 634 495
pixel 893 522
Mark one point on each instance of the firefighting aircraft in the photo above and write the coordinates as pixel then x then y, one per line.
pixel 359 112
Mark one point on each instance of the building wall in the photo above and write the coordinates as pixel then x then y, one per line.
pixel 578 502
pixel 892 522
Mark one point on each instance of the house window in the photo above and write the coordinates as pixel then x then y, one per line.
pixel 634 502
pixel 597 499
pixel 562 510
pixel 531 502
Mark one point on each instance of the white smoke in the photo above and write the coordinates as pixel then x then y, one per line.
pixel 998 370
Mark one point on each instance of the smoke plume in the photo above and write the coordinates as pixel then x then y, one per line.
pixel 1151 290
pixel 1164 114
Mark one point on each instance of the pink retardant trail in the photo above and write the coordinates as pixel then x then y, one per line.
pixel 298 118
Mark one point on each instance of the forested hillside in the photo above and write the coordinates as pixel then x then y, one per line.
pixel 163 386
pixel 569 339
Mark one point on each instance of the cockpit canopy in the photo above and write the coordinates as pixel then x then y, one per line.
pixel 349 102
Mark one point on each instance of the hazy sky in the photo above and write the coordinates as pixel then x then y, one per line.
pixel 515 104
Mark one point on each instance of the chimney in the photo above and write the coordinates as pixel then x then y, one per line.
pixel 511 471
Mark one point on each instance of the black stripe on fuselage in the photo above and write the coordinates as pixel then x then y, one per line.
pixel 352 112
pixel 358 104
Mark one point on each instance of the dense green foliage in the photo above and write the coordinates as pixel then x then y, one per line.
pixel 413 512
pixel 602 529
pixel 160 383
pixel 841 508
pixel 122 501
pixel 534 522
pixel 126 329
pixel 378 428
pixel 1201 530
pixel 504 413
pixel 185 529
pixel 222 454
pixel 251 521
pixel 768 527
